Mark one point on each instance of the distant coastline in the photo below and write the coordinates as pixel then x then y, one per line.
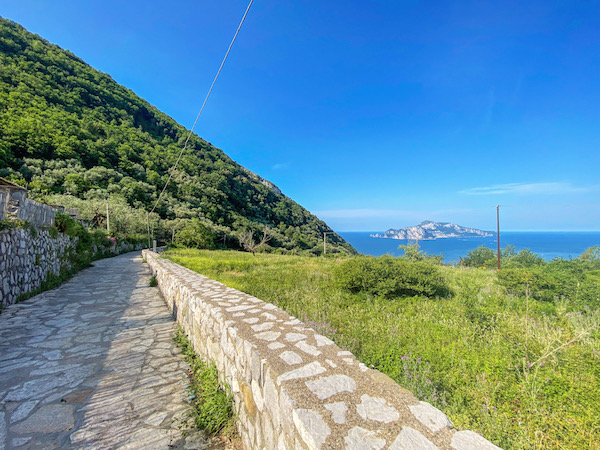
pixel 428 230
pixel 547 244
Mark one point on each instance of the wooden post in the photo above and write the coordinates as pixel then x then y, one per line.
pixel 107 220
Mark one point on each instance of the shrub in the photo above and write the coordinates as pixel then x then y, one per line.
pixel 8 224
pixel 195 235
pixel 53 232
pixel 388 277
pixel 412 252
pixel 479 257
pixel 525 259
pixel 541 285
pixel 69 226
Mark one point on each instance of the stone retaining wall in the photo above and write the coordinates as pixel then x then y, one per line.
pixel 293 388
pixel 14 204
pixel 25 260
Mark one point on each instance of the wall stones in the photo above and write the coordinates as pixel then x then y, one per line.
pixel 292 388
pixel 25 261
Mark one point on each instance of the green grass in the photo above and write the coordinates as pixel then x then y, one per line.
pixel 524 373
pixel 212 406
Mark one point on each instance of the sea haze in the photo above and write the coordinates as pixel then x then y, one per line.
pixel 547 244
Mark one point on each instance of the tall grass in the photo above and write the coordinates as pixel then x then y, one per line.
pixel 212 406
pixel 523 372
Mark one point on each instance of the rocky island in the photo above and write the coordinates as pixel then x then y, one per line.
pixel 429 231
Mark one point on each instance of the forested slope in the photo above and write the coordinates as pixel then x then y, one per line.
pixel 77 138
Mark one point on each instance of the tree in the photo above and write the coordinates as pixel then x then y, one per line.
pixel 246 239
pixel 196 235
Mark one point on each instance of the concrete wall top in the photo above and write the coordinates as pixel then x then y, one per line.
pixel 294 388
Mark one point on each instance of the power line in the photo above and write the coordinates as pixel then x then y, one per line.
pixel 203 104
pixel 550 206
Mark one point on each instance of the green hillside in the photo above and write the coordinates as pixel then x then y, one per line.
pixel 77 138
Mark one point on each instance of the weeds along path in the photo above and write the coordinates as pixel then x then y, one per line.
pixel 93 364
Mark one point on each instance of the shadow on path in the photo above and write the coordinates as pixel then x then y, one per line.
pixel 92 364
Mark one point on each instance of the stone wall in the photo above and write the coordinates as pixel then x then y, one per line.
pixel 293 388
pixel 14 204
pixel 25 260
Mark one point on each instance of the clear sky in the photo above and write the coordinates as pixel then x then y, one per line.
pixel 376 114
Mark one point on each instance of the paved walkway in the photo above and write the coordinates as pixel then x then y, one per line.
pixel 92 364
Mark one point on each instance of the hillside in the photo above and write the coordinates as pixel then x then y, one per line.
pixel 428 231
pixel 77 138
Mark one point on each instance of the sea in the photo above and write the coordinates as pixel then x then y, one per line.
pixel 547 244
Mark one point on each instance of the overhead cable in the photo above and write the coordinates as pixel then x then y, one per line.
pixel 203 104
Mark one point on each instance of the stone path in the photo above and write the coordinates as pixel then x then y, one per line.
pixel 92 364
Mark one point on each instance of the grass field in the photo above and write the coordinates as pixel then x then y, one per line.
pixel 522 372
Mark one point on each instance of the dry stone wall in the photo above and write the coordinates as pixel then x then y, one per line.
pixel 26 260
pixel 293 388
pixel 14 204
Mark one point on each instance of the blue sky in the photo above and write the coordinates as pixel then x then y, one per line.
pixel 372 115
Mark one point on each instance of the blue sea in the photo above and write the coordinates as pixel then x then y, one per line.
pixel 547 244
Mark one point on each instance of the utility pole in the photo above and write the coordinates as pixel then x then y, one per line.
pixel 107 220
pixel 498 232
pixel 148 222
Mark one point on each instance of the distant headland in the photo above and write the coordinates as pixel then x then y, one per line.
pixel 429 231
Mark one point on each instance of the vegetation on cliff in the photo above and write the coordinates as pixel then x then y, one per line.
pixel 513 360
pixel 76 138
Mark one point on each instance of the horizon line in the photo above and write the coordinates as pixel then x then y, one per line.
pixel 501 231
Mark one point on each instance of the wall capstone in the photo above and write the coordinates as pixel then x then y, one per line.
pixel 292 387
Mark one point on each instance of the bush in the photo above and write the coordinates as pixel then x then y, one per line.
pixel 390 277
pixel 412 252
pixel 525 259
pixel 53 232
pixel 195 235
pixel 541 285
pixel 480 257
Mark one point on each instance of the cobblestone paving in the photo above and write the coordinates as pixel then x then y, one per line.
pixel 92 364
